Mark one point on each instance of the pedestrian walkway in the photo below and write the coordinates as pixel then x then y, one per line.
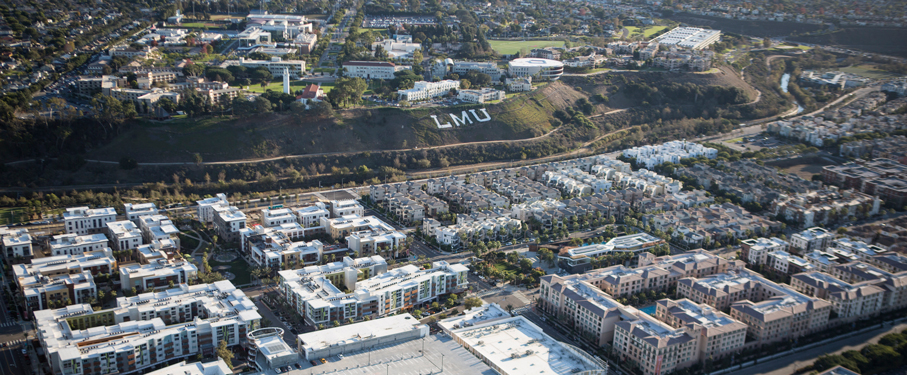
pixel 14 342
pixel 522 297
pixel 8 324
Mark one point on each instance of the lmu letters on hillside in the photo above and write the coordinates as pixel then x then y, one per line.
pixel 462 119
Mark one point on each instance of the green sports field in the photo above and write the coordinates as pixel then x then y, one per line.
pixel 510 47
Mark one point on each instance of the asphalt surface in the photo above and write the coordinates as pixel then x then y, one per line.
pixel 789 364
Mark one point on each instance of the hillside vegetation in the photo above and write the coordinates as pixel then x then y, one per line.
pixel 570 117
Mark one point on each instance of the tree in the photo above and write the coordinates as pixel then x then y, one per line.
pixel 347 91
pixel 224 353
pixel 525 264
pixel 261 105
pixel 111 112
pixel 417 57
pixel 193 70
pixel 766 42
pixel 472 302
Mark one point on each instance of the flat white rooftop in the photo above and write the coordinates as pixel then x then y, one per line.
pixel 352 333
pixel 218 367
pixel 518 347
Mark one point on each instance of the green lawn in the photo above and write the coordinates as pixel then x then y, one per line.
pixel 868 71
pixel 647 31
pixel 506 268
pixel 199 25
pixel 188 243
pixel 509 47
pixel 374 30
pixel 294 85
pixel 11 215
pixel 651 30
pixel 238 267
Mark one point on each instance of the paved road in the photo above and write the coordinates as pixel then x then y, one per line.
pixel 788 364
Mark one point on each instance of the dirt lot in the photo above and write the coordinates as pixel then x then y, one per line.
pixel 805 167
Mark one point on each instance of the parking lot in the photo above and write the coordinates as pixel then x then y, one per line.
pixel 404 359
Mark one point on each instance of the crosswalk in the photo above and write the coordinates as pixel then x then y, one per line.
pixel 14 342
pixel 8 324
pixel 522 297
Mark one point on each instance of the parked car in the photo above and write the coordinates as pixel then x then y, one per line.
pixel 313 362
pixel 324 361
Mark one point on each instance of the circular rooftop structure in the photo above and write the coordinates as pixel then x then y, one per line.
pixel 265 332
pixel 536 67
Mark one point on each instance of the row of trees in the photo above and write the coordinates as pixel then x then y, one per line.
pixel 888 354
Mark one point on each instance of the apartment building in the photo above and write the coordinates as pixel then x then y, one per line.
pixel 489 228
pixel 74 244
pixel 146 330
pixel 63 278
pixel 785 264
pixel 754 251
pixel 523 190
pixel 16 244
pixel 811 239
pixel 655 346
pixel 653 273
pixel 825 206
pixel 374 291
pixel 344 226
pixel 718 222
pixel 772 312
pixel 124 235
pixel 346 207
pixel 228 222
pixel 373 241
pixel 860 273
pixel 277 66
pixel 372 69
pixel 718 334
pixel 157 274
pixel 822 261
pixel 205 209
pixel 310 216
pixel 673 151
pixel 472 197
pixel 159 228
pixel 275 248
pixel 849 301
pixel 134 211
pixel 276 217
pixel 860 250
pixel 424 90
pixel 84 220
